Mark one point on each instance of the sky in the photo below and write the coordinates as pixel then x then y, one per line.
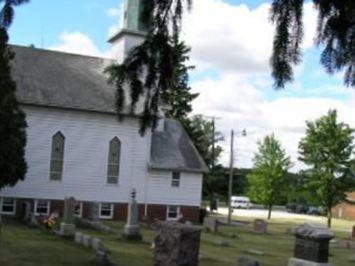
pixel 231 43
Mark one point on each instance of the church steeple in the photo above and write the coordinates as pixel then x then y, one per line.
pixel 135 27
pixel 134 18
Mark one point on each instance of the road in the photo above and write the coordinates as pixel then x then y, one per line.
pixel 257 213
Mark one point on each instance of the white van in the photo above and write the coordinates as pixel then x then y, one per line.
pixel 241 202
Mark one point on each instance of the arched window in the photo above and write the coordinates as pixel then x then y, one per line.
pixel 57 157
pixel 113 166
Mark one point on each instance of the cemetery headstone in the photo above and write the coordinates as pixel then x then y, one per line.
pixel 260 226
pixel 246 261
pixel 67 226
pixel 131 229
pixel 211 224
pixel 78 238
pixel 94 215
pixel 176 244
pixel 311 245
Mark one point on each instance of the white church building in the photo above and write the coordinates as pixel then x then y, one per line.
pixel 77 147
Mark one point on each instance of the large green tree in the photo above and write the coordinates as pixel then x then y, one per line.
pixel 335 34
pixel 269 179
pixel 328 151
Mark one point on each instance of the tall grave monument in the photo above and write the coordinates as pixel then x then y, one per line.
pixel 131 229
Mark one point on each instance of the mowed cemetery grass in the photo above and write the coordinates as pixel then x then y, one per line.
pixel 21 245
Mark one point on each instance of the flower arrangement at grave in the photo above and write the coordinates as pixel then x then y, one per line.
pixel 49 221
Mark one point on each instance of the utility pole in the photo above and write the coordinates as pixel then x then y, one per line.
pixel 213 142
pixel 230 185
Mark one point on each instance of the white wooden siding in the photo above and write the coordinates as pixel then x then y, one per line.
pixel 87 137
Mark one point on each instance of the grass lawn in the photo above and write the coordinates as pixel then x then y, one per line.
pixel 23 246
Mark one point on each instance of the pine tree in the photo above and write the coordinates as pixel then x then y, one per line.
pixel 336 33
pixel 328 150
pixel 13 166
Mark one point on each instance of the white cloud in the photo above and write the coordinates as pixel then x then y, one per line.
pixel 241 105
pixel 76 43
pixel 235 37
pixel 114 12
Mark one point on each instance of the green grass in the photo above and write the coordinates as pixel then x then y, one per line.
pixel 21 245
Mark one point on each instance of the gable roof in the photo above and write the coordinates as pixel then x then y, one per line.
pixel 173 150
pixel 56 79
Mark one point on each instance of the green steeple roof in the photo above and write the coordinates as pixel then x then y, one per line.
pixel 133 16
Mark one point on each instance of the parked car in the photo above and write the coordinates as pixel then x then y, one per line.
pixel 241 202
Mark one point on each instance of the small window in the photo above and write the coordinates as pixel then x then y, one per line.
pixel 78 211
pixel 42 207
pixel 106 210
pixel 57 157
pixel 173 212
pixel 175 180
pixel 113 166
pixel 8 206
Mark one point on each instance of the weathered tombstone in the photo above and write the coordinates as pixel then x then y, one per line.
pixel 131 229
pixel 176 244
pixel 25 211
pixel 101 258
pixel 211 224
pixel 67 226
pixel 97 245
pixel 260 226
pixel 311 245
pixel 87 241
pixel 78 238
pixel 246 261
pixel 94 209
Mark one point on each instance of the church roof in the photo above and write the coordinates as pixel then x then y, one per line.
pixel 172 149
pixel 57 79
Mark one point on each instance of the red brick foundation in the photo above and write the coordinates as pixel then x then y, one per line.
pixel 154 211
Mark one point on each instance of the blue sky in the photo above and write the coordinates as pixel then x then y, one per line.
pixel 231 43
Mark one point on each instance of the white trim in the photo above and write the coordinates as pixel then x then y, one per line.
pixel 13 206
pixel 177 213
pixel 106 216
pixel 80 215
pixel 48 207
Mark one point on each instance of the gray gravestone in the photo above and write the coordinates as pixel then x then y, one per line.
pixel 311 245
pixel 67 227
pixel 176 244
pixel 260 226
pixel 211 224
pixel 94 215
pixel 78 238
pixel 246 261
pixel 131 229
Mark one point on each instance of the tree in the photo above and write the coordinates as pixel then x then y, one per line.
pixel 336 33
pixel 179 97
pixel 13 166
pixel 201 133
pixel 159 65
pixel 269 175
pixel 328 150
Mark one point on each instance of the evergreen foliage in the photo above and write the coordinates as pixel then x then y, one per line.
pixel 201 133
pixel 155 58
pixel 269 179
pixel 328 150
pixel 336 33
pixel 13 166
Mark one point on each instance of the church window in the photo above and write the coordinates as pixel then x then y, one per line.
pixel 175 180
pixel 173 212
pixel 8 206
pixel 113 166
pixel 106 210
pixel 57 157
pixel 42 207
